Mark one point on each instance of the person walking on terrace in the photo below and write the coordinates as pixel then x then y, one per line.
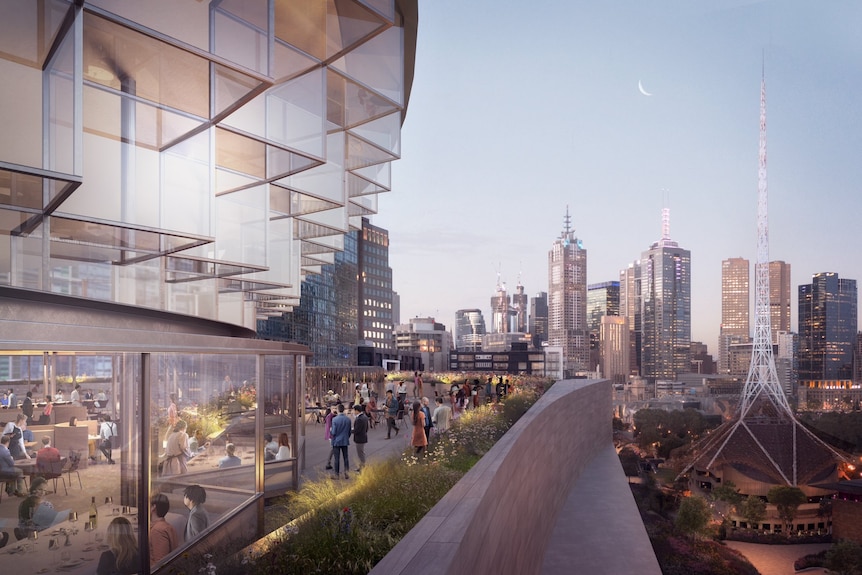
pixel 327 432
pixel 341 441
pixel 360 435
pixel 391 405
pixel 419 441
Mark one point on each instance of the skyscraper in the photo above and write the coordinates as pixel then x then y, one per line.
pixel 374 297
pixel 567 300
pixel 665 306
pixel 630 309
pixel 603 299
pixel 539 319
pixel 779 298
pixel 519 304
pixel 735 297
pixel 735 304
pixel 501 309
pixel 469 329
pixel 827 327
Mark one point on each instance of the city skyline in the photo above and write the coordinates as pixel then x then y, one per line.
pixel 518 116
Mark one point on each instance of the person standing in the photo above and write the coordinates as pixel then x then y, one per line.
pixel 327 432
pixel 417 384
pixel 360 435
pixel 428 423
pixel 177 450
pixel 391 405
pixel 341 440
pixel 107 430
pixel 27 407
pixel 12 402
pixel 173 416
pixel 402 391
pixel 418 441
pixel 442 416
pixel 76 395
pixel 163 537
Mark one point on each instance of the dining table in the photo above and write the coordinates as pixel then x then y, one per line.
pixel 75 549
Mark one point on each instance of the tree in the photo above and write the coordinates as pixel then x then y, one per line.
pixel 845 558
pixel 753 508
pixel 787 501
pixel 693 516
pixel 728 494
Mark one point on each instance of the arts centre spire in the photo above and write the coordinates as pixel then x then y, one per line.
pixel 764 444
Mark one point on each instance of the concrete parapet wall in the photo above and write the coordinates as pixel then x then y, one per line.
pixel 499 518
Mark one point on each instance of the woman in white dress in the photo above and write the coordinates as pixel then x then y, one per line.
pixel 177 451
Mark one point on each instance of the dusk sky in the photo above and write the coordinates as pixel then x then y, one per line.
pixel 520 109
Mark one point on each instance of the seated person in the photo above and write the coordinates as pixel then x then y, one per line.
pixel 270 448
pixel 47 453
pixel 163 537
pixel 229 460
pixel 283 447
pixel 13 476
pixel 35 511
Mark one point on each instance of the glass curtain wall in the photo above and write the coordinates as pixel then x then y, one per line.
pixel 129 427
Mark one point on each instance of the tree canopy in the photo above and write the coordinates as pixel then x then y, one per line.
pixel 787 501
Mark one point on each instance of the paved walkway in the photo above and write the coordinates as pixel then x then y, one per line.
pixel 378 448
pixel 777 559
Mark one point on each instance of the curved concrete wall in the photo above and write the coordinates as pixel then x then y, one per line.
pixel 500 517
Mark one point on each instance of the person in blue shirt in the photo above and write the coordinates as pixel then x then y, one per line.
pixel 340 432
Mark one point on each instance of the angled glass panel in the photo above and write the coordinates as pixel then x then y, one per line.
pixel 22 85
pixel 186 196
pixel 385 8
pixel 227 182
pixel 384 132
pixel 334 219
pixel 290 62
pixel 357 186
pixel 63 126
pixel 29 29
pixel 242 226
pixel 282 260
pixel 325 181
pixel 186 21
pixel 361 153
pixel 350 23
pixel 238 153
pixel 150 69
pixel 295 114
pixel 242 33
pixel 380 174
pixel 231 87
pixel 363 205
pixel 378 63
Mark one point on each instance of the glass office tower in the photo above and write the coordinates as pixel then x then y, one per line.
pixel 827 327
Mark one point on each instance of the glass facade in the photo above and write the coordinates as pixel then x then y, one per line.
pixel 567 301
pixel 171 171
pixel 827 327
pixel 539 319
pixel 469 329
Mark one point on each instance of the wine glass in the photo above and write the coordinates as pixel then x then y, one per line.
pixel 73 517
pixel 32 536
pixel 99 537
pixel 89 528
pixel 65 557
pixel 53 545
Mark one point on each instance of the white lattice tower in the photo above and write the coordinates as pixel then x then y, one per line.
pixel 762 381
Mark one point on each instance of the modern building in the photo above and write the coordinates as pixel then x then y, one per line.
pixel 735 297
pixel 786 364
pixel 428 338
pixel 827 328
pixel 469 329
pixel 520 304
pixel 614 348
pixel 779 297
pixel 665 307
pixel 171 171
pixel 502 312
pixel 495 342
pixel 539 319
pixel 603 299
pixel 518 360
pixel 374 298
pixel 630 284
pixel 327 316
pixel 567 300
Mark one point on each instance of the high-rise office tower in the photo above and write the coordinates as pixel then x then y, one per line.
pixel 501 309
pixel 779 298
pixel 567 300
pixel 519 304
pixel 630 309
pixel 469 329
pixel 374 297
pixel 735 297
pixel 665 296
pixel 539 319
pixel 827 327
pixel 614 348
pixel 603 299
pixel 735 304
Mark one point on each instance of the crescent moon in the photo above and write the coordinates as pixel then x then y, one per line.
pixel 641 89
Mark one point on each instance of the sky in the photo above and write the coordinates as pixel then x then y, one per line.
pixel 522 110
